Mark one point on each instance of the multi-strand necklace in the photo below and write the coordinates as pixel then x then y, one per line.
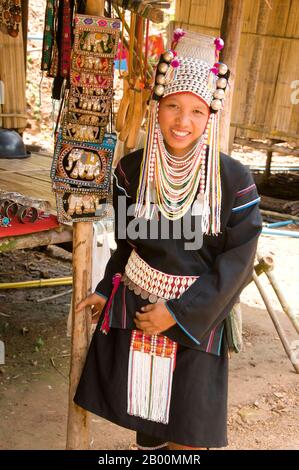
pixel 177 179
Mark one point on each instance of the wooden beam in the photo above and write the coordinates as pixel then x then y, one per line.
pixel 78 418
pixel 272 147
pixel 231 34
pixel 278 215
pixel 266 132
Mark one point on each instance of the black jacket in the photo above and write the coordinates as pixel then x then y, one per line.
pixel 224 262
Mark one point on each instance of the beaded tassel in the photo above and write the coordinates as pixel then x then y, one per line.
pixel 213 196
pixel 144 196
pixel 105 327
pixel 151 364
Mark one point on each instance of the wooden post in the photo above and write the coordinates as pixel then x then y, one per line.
pixel 231 28
pixel 25 9
pixel 78 419
pixel 267 172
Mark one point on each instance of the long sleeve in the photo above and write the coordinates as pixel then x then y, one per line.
pixel 118 260
pixel 209 300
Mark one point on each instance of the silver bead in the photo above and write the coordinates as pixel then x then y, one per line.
pixel 223 68
pixel 163 67
pixel 168 56
pixel 216 105
pixel 160 79
pixel 159 90
pixel 221 83
pixel 219 94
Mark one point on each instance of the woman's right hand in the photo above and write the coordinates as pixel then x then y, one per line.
pixel 97 302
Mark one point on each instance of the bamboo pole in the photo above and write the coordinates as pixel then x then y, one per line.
pixel 274 318
pixel 149 71
pixel 280 295
pixel 78 419
pixel 264 264
pixel 146 9
pixel 57 281
pixel 231 33
pixel 279 215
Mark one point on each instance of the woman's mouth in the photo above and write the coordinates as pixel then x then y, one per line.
pixel 179 134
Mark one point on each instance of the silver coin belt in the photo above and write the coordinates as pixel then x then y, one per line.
pixel 152 284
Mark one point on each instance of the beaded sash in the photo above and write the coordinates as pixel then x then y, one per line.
pixel 151 283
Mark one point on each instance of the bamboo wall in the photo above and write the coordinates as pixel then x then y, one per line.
pixel 12 74
pixel 268 63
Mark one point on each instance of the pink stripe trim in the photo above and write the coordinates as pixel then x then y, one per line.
pixel 245 190
pixel 124 308
pixel 211 339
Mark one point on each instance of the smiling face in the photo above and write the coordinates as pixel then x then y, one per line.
pixel 182 118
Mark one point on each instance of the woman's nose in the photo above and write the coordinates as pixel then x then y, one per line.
pixel 183 119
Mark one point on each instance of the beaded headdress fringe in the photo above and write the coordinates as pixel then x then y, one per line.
pixel 146 201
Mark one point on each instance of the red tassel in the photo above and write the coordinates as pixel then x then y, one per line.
pixel 105 327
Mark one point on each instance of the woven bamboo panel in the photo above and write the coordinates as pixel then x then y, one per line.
pixel 12 74
pixel 267 64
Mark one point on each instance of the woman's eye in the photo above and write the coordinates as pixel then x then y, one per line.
pixel 198 111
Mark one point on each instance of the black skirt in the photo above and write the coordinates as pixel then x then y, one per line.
pixel 198 408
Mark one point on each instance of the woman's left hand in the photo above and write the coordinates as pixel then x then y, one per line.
pixel 154 319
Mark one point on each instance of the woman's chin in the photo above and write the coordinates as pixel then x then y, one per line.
pixel 179 146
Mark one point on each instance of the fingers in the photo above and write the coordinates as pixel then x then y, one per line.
pixel 142 316
pixel 92 299
pixel 148 308
pixel 144 323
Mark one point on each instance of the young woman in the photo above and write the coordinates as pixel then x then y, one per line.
pixel 158 361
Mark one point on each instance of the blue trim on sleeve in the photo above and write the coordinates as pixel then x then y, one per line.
pixel 102 295
pixel 244 206
pixel 220 341
pixel 181 326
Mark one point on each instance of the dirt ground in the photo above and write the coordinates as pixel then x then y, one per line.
pixel 263 388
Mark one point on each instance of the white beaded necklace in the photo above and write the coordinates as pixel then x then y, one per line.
pixel 176 179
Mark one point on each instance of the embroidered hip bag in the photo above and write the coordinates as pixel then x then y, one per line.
pixel 233 329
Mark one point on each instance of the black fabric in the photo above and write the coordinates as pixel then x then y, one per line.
pixel 146 441
pixel 198 409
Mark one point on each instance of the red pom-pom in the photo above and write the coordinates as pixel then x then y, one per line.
pixel 175 63
pixel 219 44
pixel 178 34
